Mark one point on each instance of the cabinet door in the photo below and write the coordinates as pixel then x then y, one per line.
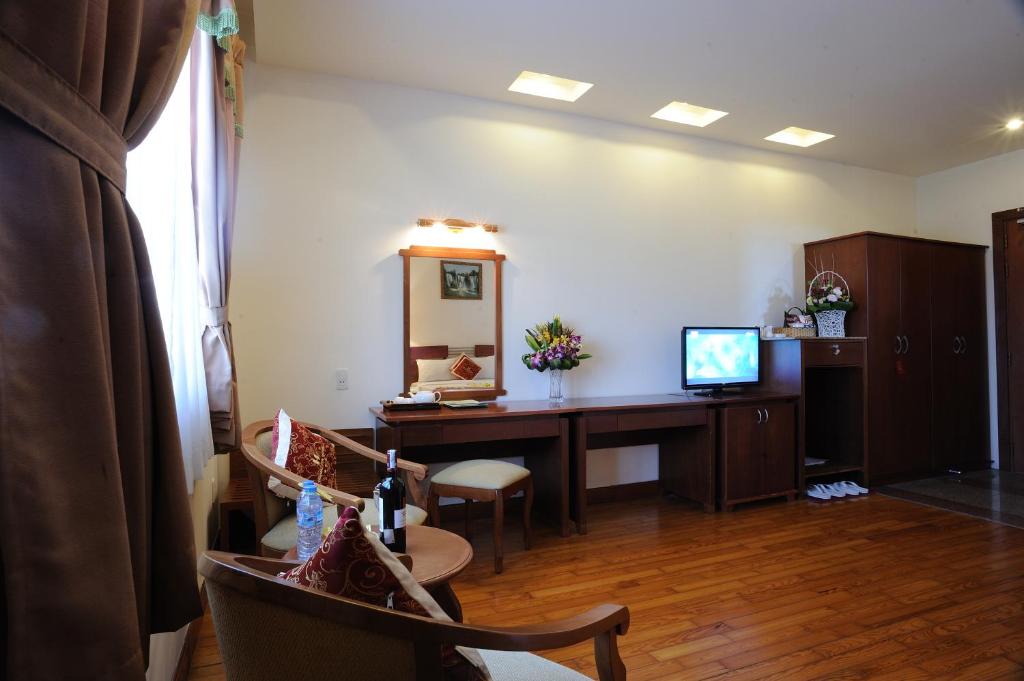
pixel 914 366
pixel 779 440
pixel 959 360
pixel 743 461
pixel 883 311
pixel 973 370
pixel 946 287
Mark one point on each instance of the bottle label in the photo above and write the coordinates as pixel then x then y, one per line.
pixel 400 518
pixel 389 537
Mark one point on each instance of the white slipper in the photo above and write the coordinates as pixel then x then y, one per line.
pixel 818 492
pixel 853 488
pixel 835 490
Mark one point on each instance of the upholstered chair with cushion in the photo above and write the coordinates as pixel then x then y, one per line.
pixel 357 474
pixel 271 629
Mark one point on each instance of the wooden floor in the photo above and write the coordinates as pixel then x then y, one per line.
pixel 867 588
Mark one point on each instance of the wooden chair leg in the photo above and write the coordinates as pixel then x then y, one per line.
pixel 434 509
pixel 499 526
pixel 527 507
pixel 469 519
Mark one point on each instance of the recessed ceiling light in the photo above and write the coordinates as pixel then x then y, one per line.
pixel 799 137
pixel 553 87
pixel 688 114
pixel 1014 124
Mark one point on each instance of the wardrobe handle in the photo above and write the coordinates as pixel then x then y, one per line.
pixel 956 345
pixel 759 415
pixel 906 345
pixel 766 414
pixel 899 345
pixel 963 345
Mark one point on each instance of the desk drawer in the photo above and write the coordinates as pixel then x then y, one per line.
pixel 833 353
pixel 602 423
pixel 667 418
pixel 504 429
pixel 414 436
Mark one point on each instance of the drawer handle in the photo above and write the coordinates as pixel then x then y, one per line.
pixel 957 345
pixel 835 349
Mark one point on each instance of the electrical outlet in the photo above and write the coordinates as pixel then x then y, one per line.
pixel 341 379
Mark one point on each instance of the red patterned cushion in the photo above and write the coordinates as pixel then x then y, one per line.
pixel 309 455
pixel 349 564
pixel 465 368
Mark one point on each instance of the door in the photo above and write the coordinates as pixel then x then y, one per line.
pixel 912 396
pixel 744 456
pixel 1008 260
pixel 779 442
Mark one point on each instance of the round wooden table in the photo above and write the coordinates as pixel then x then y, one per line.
pixel 438 556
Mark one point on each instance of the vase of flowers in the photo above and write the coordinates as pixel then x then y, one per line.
pixel 828 299
pixel 555 349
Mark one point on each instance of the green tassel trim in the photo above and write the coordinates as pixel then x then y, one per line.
pixel 221 27
pixel 239 130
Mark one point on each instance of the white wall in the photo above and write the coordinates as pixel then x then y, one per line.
pixel 957 204
pixel 627 233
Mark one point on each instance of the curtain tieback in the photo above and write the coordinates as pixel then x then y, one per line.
pixel 37 95
pixel 215 316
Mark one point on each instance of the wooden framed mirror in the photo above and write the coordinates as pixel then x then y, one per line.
pixel 452 301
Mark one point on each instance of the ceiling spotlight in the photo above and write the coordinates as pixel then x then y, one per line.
pixel 552 87
pixel 1014 124
pixel 688 114
pixel 799 137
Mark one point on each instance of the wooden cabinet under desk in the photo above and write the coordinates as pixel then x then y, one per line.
pixel 756 452
pixel 830 375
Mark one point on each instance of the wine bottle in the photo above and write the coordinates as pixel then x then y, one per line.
pixel 391 512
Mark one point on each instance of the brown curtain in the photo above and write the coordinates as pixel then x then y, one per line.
pixel 96 544
pixel 217 54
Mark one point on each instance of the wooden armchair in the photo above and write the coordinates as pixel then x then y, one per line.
pixel 269 629
pixel 275 517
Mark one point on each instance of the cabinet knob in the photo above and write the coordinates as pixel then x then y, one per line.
pixel 835 348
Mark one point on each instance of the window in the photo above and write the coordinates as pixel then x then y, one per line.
pixel 160 193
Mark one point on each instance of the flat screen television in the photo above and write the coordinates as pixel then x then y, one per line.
pixel 719 357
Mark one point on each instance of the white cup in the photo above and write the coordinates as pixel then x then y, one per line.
pixel 425 396
pixel 402 400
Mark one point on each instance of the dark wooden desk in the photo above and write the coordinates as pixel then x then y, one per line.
pixel 536 430
pixel 554 438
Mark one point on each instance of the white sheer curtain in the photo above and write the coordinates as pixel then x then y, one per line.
pixel 160 193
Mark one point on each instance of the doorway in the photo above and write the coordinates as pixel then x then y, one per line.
pixel 1008 273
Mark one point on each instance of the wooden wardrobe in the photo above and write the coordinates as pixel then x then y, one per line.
pixel 921 306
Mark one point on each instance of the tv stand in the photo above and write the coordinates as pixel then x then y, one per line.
pixel 716 393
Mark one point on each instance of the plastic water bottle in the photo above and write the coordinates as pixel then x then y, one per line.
pixel 309 515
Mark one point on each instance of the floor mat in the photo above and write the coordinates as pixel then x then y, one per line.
pixel 992 495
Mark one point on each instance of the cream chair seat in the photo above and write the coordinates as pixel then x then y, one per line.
pixel 285 533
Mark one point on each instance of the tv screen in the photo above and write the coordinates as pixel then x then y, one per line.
pixel 717 357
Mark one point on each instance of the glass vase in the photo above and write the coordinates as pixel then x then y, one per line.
pixel 555 394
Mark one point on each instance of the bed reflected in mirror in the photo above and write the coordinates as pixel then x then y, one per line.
pixel 452 322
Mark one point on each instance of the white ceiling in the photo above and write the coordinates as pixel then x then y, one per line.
pixel 908 86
